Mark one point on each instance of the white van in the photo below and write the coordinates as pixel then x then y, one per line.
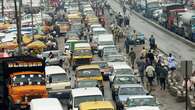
pixel 80 95
pixel 104 40
pixel 57 78
pixel 45 104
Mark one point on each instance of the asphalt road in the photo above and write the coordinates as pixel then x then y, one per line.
pixel 165 42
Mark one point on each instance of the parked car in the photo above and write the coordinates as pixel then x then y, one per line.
pixel 142 102
pixel 121 79
pixel 126 91
pixel 46 103
pixel 97 105
pixel 80 95
pixel 57 79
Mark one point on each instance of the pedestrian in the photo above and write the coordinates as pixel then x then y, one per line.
pixel 150 74
pixel 134 37
pixel 163 72
pixel 170 57
pixel 141 67
pixel 152 42
pixel 124 9
pixel 150 56
pixel 126 45
pixel 157 71
pixel 132 56
pixel 143 52
pixel 172 66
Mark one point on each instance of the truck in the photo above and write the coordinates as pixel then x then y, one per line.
pixel 188 20
pixel 22 78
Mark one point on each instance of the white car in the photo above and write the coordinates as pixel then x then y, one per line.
pixel 80 95
pixel 120 68
pixel 142 102
pixel 46 103
pixel 57 79
pixel 104 40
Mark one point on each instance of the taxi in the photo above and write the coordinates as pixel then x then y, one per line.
pixel 82 54
pixel 97 105
pixel 90 72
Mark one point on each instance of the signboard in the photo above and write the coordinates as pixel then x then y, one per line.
pixel 186 68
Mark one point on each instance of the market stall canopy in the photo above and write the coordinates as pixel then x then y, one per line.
pixel 36 45
pixel 8 45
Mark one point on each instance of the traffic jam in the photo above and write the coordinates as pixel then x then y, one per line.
pixel 81 55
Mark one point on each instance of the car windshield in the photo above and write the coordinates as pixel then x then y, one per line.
pixel 92 83
pixel 124 71
pixel 141 102
pixel 98 32
pixel 56 78
pixel 125 80
pixel 82 52
pixel 132 91
pixel 80 99
pixel 89 73
pixel 106 43
pixel 28 79
pixel 109 49
pixel 115 59
pixel 101 64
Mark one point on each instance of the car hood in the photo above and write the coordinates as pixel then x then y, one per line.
pixel 102 46
pixel 144 108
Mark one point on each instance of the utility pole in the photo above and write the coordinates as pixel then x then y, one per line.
pixel 2 8
pixel 18 25
pixel 32 21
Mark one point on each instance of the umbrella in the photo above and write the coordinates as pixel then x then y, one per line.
pixel 36 45
pixel 8 45
pixel 26 39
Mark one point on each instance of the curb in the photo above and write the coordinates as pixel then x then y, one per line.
pixel 187 42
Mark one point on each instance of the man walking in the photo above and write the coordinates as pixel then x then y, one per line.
pixel 163 72
pixel 132 56
pixel 141 67
pixel 150 74
pixel 152 42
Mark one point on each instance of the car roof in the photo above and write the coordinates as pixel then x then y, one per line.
pixel 130 85
pixel 140 96
pixel 119 65
pixel 91 66
pixel 116 75
pixel 94 25
pixel 80 45
pixel 99 29
pixel 86 91
pixel 54 70
pixel 46 103
pixel 105 37
pixel 96 105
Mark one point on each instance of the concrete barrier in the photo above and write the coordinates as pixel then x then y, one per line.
pixel 164 29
